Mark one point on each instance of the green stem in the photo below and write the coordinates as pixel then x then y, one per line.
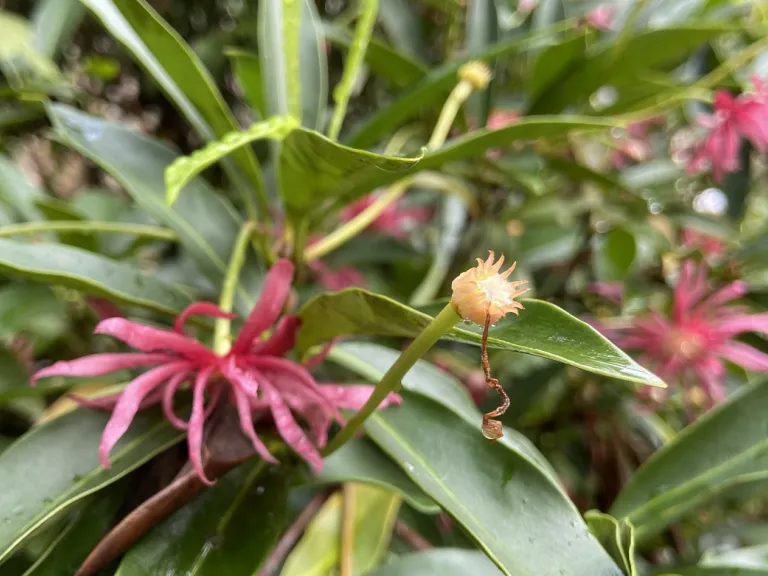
pixel 391 381
pixel 729 66
pixel 222 336
pixel 95 227
pixel 353 227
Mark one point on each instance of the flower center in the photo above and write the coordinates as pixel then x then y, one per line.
pixel 496 290
pixel 684 344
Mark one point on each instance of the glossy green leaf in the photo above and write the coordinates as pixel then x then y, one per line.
pixel 54 22
pixel 617 537
pixel 713 571
pixel 542 329
pixel 393 66
pixel 312 169
pixel 178 71
pixel 614 254
pixel 205 222
pixel 185 168
pixel 228 529
pixel 553 63
pixel 682 476
pixel 18 192
pixel 56 465
pixel 32 309
pixel 618 65
pixel 247 69
pixel 317 553
pixel 488 488
pixel 360 461
pixel 343 90
pixel 477 142
pixel 372 360
pixel 293 61
pixel 79 536
pixel 24 66
pixel 91 273
pixel 402 25
pixel 13 376
pixel 428 94
pixel 439 562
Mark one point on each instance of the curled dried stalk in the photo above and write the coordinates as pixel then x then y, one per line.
pixel 492 429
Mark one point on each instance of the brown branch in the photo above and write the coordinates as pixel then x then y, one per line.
pixel 492 429
pixel 411 537
pixel 291 535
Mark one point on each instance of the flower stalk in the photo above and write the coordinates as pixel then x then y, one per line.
pixel 472 76
pixel 222 333
pixel 391 381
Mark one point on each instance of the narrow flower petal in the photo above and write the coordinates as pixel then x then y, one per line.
pixel 100 364
pixel 726 294
pixel 196 422
pixel 740 323
pixel 282 340
pixel 289 429
pixel 108 402
pixel 200 309
pixel 711 374
pixel 318 358
pixel 246 425
pixel 744 356
pixel 300 376
pixel 151 339
pixel 277 287
pixel 353 397
pixel 130 402
pixel 168 393
pixel 240 378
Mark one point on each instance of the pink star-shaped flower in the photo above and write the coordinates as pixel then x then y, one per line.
pixel 394 221
pixel 255 374
pixel 692 343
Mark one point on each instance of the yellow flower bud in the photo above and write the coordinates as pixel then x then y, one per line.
pixel 476 73
pixel 482 291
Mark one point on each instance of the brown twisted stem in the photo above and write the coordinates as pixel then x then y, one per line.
pixel 492 429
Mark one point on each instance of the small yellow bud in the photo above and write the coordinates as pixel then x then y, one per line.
pixel 476 73
pixel 482 290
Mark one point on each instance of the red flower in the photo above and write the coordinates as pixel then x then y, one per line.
pixel 254 372
pixel 339 279
pixel 708 245
pixel 498 119
pixel 734 117
pixel 601 17
pixel 692 343
pixel 394 220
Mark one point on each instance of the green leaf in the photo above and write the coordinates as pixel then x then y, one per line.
pixel 92 274
pixel 439 562
pixel 393 66
pixel 185 168
pixel 372 360
pixel 317 553
pixel 247 69
pixel 360 461
pixel 542 329
pixel 553 63
pixel 682 476
pixel 25 68
pixel 619 65
pixel 617 537
pixel 18 192
pixel 403 26
pixel 205 222
pixel 179 72
pixel 56 465
pixel 477 142
pixel 614 254
pixel 228 529
pixel 429 93
pixel 79 536
pixel 54 22
pixel 293 61
pixel 343 91
pixel 31 309
pixel 488 489
pixel 312 169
